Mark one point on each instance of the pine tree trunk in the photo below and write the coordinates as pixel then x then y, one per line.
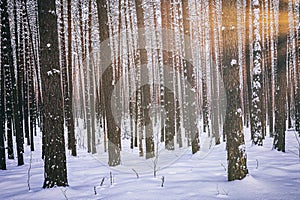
pixel 257 81
pixel 128 25
pixel 69 102
pixel 190 109
pixel 91 81
pixel 280 81
pixel 53 128
pixel 7 66
pixel 63 61
pixel 29 90
pixel 113 131
pixel 165 7
pixel 80 67
pixel 297 89
pixel 147 122
pixel 236 155
pixel 215 76
pixel 2 122
pixel 87 81
pixel 2 103
pixel 25 81
pixel 145 90
pixel 32 105
pixel 18 107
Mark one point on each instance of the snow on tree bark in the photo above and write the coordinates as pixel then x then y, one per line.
pixel 2 123
pixel 233 126
pixel 2 117
pixel 257 82
pixel 55 170
pixel 143 91
pixel 7 67
pixel 28 76
pixel 25 73
pixel 18 105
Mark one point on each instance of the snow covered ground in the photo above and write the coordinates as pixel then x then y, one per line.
pixel 272 175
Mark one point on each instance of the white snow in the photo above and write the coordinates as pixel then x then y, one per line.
pixel 256 84
pixel 273 175
pixel 53 71
pixel 49 73
pixel 233 62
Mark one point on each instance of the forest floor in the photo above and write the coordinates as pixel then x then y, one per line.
pixel 272 175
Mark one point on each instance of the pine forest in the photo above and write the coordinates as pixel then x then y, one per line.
pixel 143 99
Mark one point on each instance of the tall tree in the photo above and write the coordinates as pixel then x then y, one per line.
pixel 2 104
pixel 63 58
pixel 273 61
pixel 7 70
pixel 165 7
pixel 233 126
pixel 26 58
pixel 167 97
pixel 86 79
pixel 190 107
pixel 297 92
pixel 140 56
pixel 91 74
pixel 29 89
pixel 145 91
pixel 257 81
pixel 18 94
pixel 69 100
pixel 55 170
pixel 280 79
pixel 215 72
pixel 113 131
pixel 2 123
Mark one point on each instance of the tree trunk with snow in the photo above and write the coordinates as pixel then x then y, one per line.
pixel 54 154
pixel 7 67
pixel 18 103
pixel 3 6
pixel 257 82
pixel 280 81
pixel 144 91
pixel 233 127
pixel 191 119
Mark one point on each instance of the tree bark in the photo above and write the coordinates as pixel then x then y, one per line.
pixel 113 131
pixel 280 80
pixel 144 90
pixel 257 81
pixel 7 67
pixel 55 173
pixel 2 103
pixel 91 72
pixel 189 73
pixel 233 127
pixel 69 102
